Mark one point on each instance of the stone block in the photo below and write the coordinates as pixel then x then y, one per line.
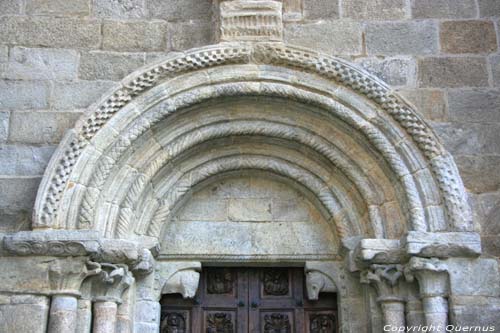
pixel 393 71
pixel 475 311
pixel 134 36
pixel 479 173
pixel 14 315
pixel 186 35
pixel 24 160
pixel 464 279
pixel 204 209
pixel 58 7
pixel 78 95
pixel 442 244
pixel 374 9
pixel 412 38
pixel 4 54
pixel 121 9
pixel 429 103
pixel 4 126
pixel 294 210
pixel 474 105
pixel 321 9
pixel 14 188
pixel 41 64
pixel 468 37
pixel 333 37
pixel 470 139
pixel 254 210
pixel 448 72
pixel 422 9
pixel 180 10
pixel 10 7
pixel 50 126
pixel 495 70
pixel 489 8
pixel 108 66
pixel 24 95
pixel 57 32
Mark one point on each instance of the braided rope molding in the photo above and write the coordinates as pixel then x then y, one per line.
pixel 443 167
pixel 252 127
pixel 256 162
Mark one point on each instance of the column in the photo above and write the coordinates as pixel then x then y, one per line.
pixel 387 279
pixel 66 276
pixel 107 289
pixel 432 277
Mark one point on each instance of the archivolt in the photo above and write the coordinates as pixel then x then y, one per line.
pixel 104 134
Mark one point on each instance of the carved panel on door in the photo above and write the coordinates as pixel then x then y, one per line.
pixel 175 322
pixel 277 323
pixel 275 282
pixel 220 322
pixel 220 280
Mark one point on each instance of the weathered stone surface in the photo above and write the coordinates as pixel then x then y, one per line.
pixel 50 128
pixel 186 35
pixel 443 244
pixel 119 9
pixel 332 37
pixel 489 8
pixel 15 312
pixel 58 7
pixel 393 71
pixel 41 64
pixel 470 139
pixel 256 210
pixel 481 276
pixel 134 36
pixel 13 188
pixel 24 95
pixel 180 10
pixel 50 31
pixel 205 210
pixel 475 311
pixel 4 126
pixel 478 174
pixel 486 210
pixel 453 72
pixel 431 104
pixel 495 70
pixel 378 251
pixel 443 9
pixel 108 66
pixel 10 7
pixel 321 9
pixel 474 105
pixel 402 38
pixel 24 160
pixel 468 37
pixel 78 95
pixel 374 10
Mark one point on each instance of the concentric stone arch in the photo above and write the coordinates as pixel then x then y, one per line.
pixel 82 168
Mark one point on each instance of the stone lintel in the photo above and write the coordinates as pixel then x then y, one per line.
pixel 442 244
pixel 250 20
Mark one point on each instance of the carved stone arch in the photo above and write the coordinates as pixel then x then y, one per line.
pixel 380 121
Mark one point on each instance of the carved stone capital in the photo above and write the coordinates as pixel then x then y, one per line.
pixel 111 282
pixel 66 275
pixel 443 244
pixel 432 276
pixel 180 278
pixel 386 280
pixel 318 279
pixel 256 20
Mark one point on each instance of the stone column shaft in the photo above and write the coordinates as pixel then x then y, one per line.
pixel 104 317
pixel 393 312
pixel 63 314
pixel 435 311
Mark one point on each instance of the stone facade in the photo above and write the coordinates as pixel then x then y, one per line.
pixel 366 153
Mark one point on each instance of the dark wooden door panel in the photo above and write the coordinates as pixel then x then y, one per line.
pixel 256 300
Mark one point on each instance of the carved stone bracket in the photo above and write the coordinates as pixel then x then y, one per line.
pixel 376 251
pixel 111 282
pixel 319 279
pixel 443 244
pixel 181 277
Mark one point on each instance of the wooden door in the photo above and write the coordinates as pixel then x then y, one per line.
pixel 267 300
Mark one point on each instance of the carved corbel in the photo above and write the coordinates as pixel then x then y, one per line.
pixel 318 279
pixel 376 251
pixel 180 277
pixel 145 264
pixel 66 275
pixel 442 244
pixel 111 282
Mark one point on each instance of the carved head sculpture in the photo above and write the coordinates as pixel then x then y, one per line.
pixel 315 283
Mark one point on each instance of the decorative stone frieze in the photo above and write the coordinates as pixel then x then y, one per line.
pixel 387 279
pixel 256 20
pixel 433 281
pixel 442 244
